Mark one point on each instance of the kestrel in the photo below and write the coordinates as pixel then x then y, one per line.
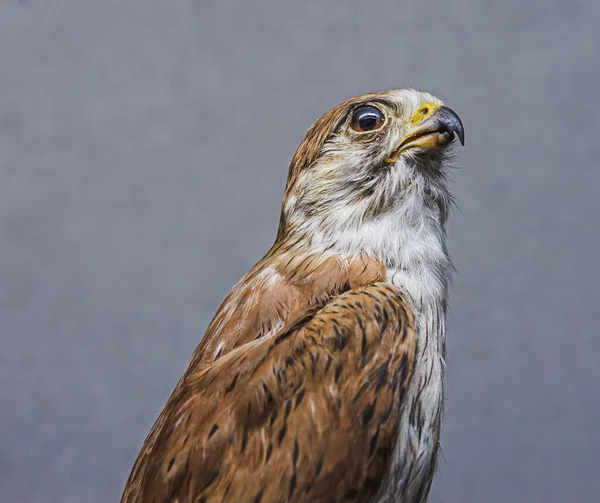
pixel 320 377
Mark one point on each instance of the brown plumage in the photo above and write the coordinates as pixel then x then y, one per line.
pixel 319 378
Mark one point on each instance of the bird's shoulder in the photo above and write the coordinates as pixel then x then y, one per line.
pixel 281 288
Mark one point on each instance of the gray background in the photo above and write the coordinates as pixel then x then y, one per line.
pixel 144 146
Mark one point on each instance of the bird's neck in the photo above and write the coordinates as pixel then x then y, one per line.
pixel 410 243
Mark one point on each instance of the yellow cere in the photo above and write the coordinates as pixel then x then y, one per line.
pixel 424 110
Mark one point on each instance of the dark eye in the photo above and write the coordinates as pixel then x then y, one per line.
pixel 367 118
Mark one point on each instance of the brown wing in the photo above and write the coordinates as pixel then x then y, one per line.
pixel 308 415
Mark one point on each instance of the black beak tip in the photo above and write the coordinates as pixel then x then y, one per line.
pixel 460 134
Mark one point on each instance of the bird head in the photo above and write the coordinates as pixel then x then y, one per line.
pixel 376 155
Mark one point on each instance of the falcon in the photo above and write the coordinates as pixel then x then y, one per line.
pixel 320 377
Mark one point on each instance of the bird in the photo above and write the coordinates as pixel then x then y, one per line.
pixel 320 377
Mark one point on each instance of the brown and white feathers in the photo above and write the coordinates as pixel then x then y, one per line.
pixel 320 377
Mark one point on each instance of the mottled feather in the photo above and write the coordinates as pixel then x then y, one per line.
pixel 292 416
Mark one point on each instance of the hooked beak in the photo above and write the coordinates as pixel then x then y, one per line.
pixel 435 130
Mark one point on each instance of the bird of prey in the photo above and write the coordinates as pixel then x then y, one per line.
pixel 320 377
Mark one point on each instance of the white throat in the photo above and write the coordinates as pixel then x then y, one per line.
pixel 411 241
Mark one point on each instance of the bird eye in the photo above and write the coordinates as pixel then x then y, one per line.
pixel 367 118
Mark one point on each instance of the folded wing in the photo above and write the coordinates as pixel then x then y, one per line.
pixel 308 414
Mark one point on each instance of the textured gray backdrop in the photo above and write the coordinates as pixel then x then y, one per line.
pixel 144 146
